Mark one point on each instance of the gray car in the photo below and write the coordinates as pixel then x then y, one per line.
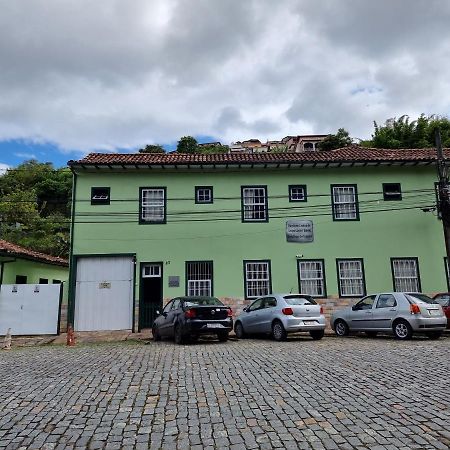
pixel 399 313
pixel 280 314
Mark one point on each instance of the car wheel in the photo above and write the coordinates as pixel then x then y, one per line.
pixel 222 336
pixel 434 334
pixel 278 331
pixel 178 335
pixel 239 330
pixel 402 330
pixel 317 334
pixel 156 335
pixel 371 334
pixel 341 328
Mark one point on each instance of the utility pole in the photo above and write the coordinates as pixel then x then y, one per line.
pixel 443 193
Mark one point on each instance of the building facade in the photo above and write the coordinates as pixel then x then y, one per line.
pixel 336 225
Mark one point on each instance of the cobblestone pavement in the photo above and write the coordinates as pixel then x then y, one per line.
pixel 334 394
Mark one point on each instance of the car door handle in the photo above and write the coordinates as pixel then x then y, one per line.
pixel 393 309
pixel 368 312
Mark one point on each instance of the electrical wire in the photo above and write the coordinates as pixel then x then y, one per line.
pixel 280 196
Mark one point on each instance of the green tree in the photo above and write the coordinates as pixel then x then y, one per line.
pixel 152 148
pixel 187 144
pixel 35 207
pixel 402 133
pixel 211 149
pixel 338 140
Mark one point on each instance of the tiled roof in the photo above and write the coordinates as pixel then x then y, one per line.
pixel 7 248
pixel 351 154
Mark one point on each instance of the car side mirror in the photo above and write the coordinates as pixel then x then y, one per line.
pixel 355 308
pixel 245 309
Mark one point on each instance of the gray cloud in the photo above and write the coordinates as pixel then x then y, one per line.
pixel 115 74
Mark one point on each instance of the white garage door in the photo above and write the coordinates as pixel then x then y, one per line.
pixel 104 293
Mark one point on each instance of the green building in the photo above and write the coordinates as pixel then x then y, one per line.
pixel 336 225
pixel 19 265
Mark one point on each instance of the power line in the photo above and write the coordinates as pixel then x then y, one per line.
pixel 238 217
pixel 280 196
pixel 301 209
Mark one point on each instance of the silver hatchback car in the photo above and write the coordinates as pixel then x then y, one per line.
pixel 400 313
pixel 280 314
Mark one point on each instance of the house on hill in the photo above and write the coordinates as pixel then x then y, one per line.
pixel 335 225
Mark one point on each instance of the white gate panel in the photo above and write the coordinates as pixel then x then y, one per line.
pixel 29 308
pixel 104 293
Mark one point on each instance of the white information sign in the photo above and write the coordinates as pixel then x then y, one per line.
pixel 298 230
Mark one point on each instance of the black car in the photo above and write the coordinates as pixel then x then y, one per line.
pixel 186 318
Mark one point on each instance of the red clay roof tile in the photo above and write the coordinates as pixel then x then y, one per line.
pixel 347 154
pixel 11 249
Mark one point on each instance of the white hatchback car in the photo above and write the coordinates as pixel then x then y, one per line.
pixel 400 313
pixel 280 314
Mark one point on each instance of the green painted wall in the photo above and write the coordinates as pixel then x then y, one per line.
pixel 34 271
pixel 377 237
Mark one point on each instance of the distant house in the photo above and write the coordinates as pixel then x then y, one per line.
pixel 303 143
pixel 210 144
pixel 249 146
pixel 291 144
pixel 19 265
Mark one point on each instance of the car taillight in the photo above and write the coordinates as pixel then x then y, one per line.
pixel 287 311
pixel 414 309
pixel 321 310
pixel 190 313
pixel 230 313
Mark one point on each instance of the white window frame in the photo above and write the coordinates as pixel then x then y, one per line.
pixel 200 288
pixel 151 271
pixel 100 199
pixel 257 279
pixel 405 274
pixel 295 197
pixel 254 205
pixel 311 275
pixel 199 278
pixel 344 199
pixel 351 277
pixel 153 205
pixel 203 194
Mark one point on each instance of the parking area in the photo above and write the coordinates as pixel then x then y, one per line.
pixel 337 393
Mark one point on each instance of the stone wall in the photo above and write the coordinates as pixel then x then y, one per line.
pixel 63 319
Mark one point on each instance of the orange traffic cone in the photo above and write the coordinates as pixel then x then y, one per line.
pixel 70 336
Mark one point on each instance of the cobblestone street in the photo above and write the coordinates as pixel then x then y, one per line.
pixel 333 394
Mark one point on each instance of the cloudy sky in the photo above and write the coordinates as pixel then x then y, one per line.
pixel 114 75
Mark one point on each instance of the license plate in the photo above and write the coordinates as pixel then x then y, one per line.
pixel 434 312
pixel 309 322
pixel 214 325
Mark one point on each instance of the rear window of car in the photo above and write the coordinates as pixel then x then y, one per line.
pixel 205 301
pixel 299 300
pixel 443 300
pixel 421 298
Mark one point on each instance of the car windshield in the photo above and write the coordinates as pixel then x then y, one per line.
pixel 202 301
pixel 421 298
pixel 299 300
